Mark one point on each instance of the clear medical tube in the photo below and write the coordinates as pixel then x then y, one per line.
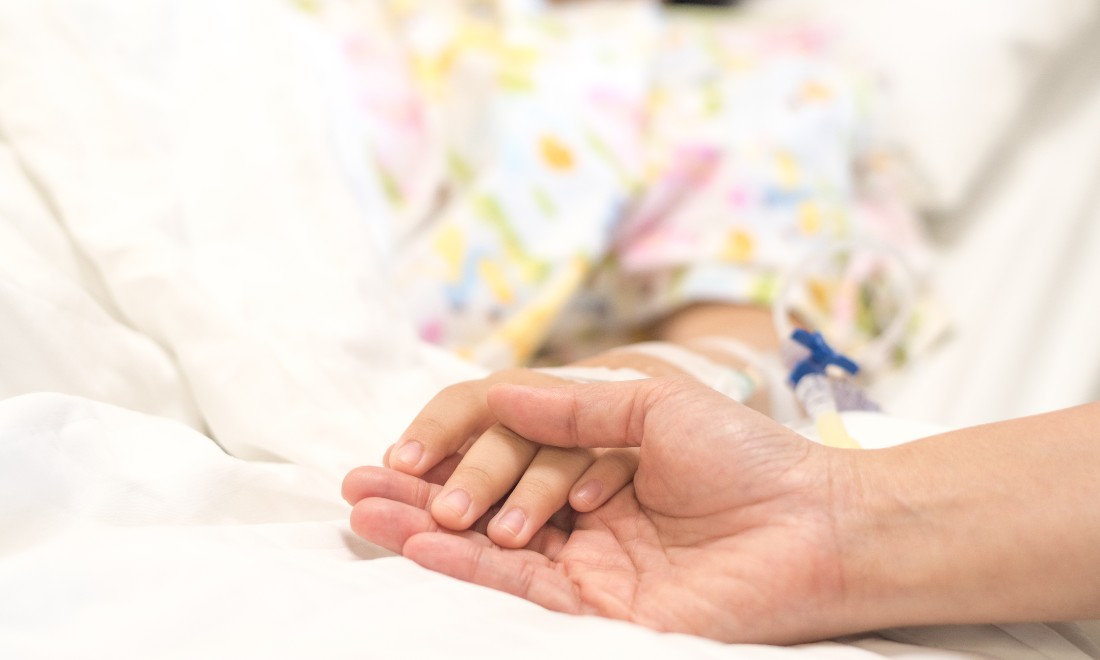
pixel 816 395
pixel 810 358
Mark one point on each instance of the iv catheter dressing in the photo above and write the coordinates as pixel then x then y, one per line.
pixel 814 391
pixel 820 376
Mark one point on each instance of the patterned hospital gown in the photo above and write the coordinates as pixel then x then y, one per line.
pixel 566 175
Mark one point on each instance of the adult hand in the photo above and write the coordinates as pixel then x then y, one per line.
pixel 502 483
pixel 728 530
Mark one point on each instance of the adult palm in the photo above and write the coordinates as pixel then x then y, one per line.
pixel 727 532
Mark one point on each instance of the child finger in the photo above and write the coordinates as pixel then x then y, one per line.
pixel 612 470
pixel 443 426
pixel 540 493
pixel 488 470
pixel 451 420
pixel 442 471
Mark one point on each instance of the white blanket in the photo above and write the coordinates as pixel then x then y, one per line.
pixel 180 243
pixel 128 535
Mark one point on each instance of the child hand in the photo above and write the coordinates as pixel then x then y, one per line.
pixel 455 439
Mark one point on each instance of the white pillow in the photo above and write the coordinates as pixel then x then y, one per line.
pixel 960 72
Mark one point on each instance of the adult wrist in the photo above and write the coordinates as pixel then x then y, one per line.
pixel 894 562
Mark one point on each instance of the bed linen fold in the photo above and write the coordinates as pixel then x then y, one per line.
pixel 185 264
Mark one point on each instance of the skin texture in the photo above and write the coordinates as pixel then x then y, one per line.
pixel 738 529
pixel 490 468
pixel 722 534
pixel 488 473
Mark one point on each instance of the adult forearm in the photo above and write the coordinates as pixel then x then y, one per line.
pixel 994 523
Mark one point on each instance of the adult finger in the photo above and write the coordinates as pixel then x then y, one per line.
pixel 590 415
pixel 372 481
pixel 383 483
pixel 524 573
pixel 389 523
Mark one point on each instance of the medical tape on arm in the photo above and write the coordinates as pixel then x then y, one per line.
pixel 767 367
pixel 592 374
pixel 734 383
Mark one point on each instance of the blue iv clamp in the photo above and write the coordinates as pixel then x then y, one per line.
pixel 821 356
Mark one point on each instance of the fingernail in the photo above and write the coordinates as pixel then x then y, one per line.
pixel 589 492
pixel 513 520
pixel 410 453
pixel 458 501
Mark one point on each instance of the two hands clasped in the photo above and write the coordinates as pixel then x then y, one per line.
pixel 733 526
pixel 708 503
pixel 494 480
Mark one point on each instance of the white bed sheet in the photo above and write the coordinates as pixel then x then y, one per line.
pixel 129 535
pixel 157 164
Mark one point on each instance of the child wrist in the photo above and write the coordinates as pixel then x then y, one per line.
pixel 737 384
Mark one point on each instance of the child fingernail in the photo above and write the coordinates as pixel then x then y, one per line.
pixel 513 521
pixel 410 453
pixel 458 501
pixel 589 492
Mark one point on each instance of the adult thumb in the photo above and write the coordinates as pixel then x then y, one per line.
pixel 590 415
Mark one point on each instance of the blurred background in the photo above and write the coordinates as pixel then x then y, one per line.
pixel 996 109
pixel 994 106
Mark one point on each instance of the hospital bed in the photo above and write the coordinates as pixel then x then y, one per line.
pixel 158 288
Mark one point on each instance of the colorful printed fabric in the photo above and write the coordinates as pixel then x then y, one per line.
pixel 565 176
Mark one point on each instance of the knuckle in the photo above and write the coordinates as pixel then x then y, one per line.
pixel 463 393
pixel 572 429
pixel 539 489
pixel 422 497
pixel 476 477
pixel 526 578
pixel 427 429
pixel 475 558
